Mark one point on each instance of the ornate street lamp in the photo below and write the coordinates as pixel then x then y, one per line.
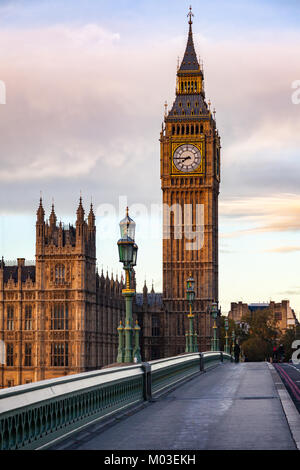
pixel 214 314
pixel 128 256
pixel 191 337
pixel 226 336
pixel 233 340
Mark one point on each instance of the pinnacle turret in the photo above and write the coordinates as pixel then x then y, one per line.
pixel 52 218
pixel 80 212
pixel 40 212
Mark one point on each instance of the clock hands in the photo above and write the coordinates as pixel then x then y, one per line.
pixel 183 159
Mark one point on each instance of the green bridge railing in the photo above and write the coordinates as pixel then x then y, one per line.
pixel 34 416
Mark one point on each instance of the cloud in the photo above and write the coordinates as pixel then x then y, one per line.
pixel 295 291
pixel 82 101
pixel 283 249
pixel 276 213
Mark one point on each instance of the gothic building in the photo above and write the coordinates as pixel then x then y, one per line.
pixel 59 316
pixel 190 177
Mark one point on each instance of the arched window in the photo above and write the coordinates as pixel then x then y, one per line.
pixel 59 316
pixel 187 129
pixel 10 317
pixel 178 130
pixel 59 273
pixel 197 129
pixel 28 317
pixel 195 86
pixel 192 129
pixel 173 130
pixel 182 86
pixel 182 130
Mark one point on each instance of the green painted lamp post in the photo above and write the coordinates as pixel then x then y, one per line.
pixel 233 340
pixel 214 314
pixel 226 336
pixel 128 255
pixel 191 337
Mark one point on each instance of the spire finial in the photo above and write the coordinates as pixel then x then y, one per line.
pixel 190 14
pixel 127 211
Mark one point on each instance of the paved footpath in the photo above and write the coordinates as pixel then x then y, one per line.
pixel 233 406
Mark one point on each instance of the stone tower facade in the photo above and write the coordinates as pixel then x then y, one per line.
pixel 190 177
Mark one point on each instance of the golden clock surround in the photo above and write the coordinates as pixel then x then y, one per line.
pixel 200 145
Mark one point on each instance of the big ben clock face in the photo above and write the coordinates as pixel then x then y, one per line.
pixel 187 158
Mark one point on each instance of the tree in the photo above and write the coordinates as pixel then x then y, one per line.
pixel 262 335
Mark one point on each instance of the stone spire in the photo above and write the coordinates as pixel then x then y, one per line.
pixel 189 61
pixel 52 218
pixel 80 212
pixel 40 213
pixel 91 218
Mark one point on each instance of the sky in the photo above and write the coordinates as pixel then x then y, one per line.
pixel 86 84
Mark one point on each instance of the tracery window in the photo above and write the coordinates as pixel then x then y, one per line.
pixel 28 317
pixel 59 273
pixel 10 317
pixel 59 354
pixel 59 316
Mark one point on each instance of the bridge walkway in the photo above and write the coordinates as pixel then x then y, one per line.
pixel 233 406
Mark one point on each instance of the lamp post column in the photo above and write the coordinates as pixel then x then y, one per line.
pixel 120 357
pixel 128 255
pixel 233 341
pixel 137 351
pixel 226 336
pixel 214 312
pixel 191 339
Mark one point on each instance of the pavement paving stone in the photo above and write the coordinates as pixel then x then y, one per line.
pixel 234 406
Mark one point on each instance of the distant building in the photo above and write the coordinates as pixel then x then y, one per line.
pixel 283 313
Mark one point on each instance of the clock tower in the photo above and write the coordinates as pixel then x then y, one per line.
pixel 190 177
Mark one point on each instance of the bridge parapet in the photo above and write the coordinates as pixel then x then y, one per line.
pixel 35 415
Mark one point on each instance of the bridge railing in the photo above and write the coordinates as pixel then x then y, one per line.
pixel 36 415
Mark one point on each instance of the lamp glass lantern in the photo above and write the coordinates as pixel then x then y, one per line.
pixel 214 310
pixel 190 289
pixel 127 227
pixel 127 247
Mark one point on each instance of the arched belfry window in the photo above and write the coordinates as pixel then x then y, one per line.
pixel 59 273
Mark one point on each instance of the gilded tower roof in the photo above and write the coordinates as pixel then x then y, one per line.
pixel 189 61
pixel 189 102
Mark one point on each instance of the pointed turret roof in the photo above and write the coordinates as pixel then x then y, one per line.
pixel 40 212
pixel 189 61
pixel 80 211
pixel 52 218
pixel 91 217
